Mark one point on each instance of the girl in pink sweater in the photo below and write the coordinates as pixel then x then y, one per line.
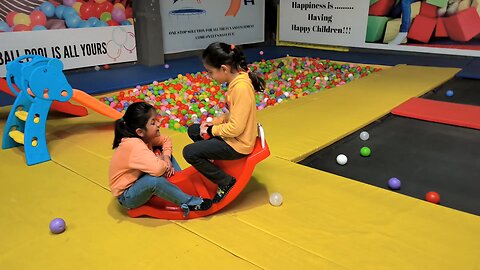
pixel 136 172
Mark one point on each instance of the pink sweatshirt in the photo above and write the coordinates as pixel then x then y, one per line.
pixel 132 158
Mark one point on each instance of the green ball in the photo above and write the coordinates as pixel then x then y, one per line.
pixel 365 151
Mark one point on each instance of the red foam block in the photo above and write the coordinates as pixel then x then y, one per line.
pixel 381 8
pixel 464 25
pixel 428 10
pixel 440 112
pixel 422 28
pixel 440 30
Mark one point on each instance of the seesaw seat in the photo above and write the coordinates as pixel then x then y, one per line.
pixel 194 183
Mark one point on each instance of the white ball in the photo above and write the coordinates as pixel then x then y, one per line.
pixel 209 119
pixel 364 135
pixel 342 159
pixel 97 68
pixel 276 199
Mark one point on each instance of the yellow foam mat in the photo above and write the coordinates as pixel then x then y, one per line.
pixel 99 235
pixel 300 127
pixel 328 222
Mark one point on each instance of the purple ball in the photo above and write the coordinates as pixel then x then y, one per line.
pixel 69 2
pixel 57 225
pixel 394 183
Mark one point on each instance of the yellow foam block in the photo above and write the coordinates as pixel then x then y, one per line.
pixel 99 235
pixel 329 222
pixel 392 29
pixel 323 118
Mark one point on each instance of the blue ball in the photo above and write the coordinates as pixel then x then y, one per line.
pixel 394 183
pixel 4 27
pixel 449 93
pixel 69 12
pixel 39 27
pixel 93 21
pixel 59 11
pixel 73 21
pixel 47 8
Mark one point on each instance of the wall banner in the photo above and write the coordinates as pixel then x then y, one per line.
pixel 193 25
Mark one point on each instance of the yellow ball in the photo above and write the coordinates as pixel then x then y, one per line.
pixel 177 125
pixel 180 76
pixel 21 18
pixel 77 6
pixel 119 5
pixel 34 143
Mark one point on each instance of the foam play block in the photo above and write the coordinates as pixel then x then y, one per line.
pixel 464 25
pixel 463 5
pixel 415 9
pixel 438 3
pixel 392 29
pixel 381 8
pixel 428 10
pixel 440 30
pixel 376 28
pixel 422 28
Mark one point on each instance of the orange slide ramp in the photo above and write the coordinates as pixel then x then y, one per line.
pixel 92 103
pixel 85 100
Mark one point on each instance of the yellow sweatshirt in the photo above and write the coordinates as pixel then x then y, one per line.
pixel 238 128
pixel 132 158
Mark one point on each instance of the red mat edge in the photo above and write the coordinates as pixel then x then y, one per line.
pixel 440 112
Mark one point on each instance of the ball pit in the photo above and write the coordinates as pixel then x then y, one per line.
pixel 182 100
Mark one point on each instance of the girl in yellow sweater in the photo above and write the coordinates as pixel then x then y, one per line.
pixel 136 172
pixel 232 135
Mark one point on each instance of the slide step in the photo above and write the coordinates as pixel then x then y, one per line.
pixel 17 136
pixel 22 115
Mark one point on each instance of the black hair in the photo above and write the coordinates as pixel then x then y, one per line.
pixel 219 53
pixel 136 116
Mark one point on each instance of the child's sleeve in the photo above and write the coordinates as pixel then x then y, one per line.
pixel 166 143
pixel 240 108
pixel 143 159
pixel 221 119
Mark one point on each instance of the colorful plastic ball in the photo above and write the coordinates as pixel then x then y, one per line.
pixel 261 52
pixel 69 2
pixel 21 27
pixel 432 197
pixel 365 151
pixel 9 18
pixel 106 66
pixel 276 199
pixel 394 183
pixel 38 18
pixel 21 18
pixel 100 1
pixel 69 12
pixel 48 9
pixel 364 135
pixel 77 6
pixel 59 11
pixel 73 21
pixel 97 68
pixel 449 93
pixel 4 27
pixel 57 225
pixel 342 159
pixel 118 15
pixel 106 16
pixel 167 66
pixel 39 28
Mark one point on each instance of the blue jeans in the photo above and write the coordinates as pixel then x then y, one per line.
pixel 146 186
pixel 404 8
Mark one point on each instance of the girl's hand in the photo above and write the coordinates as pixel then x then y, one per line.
pixel 168 161
pixel 169 173
pixel 203 128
